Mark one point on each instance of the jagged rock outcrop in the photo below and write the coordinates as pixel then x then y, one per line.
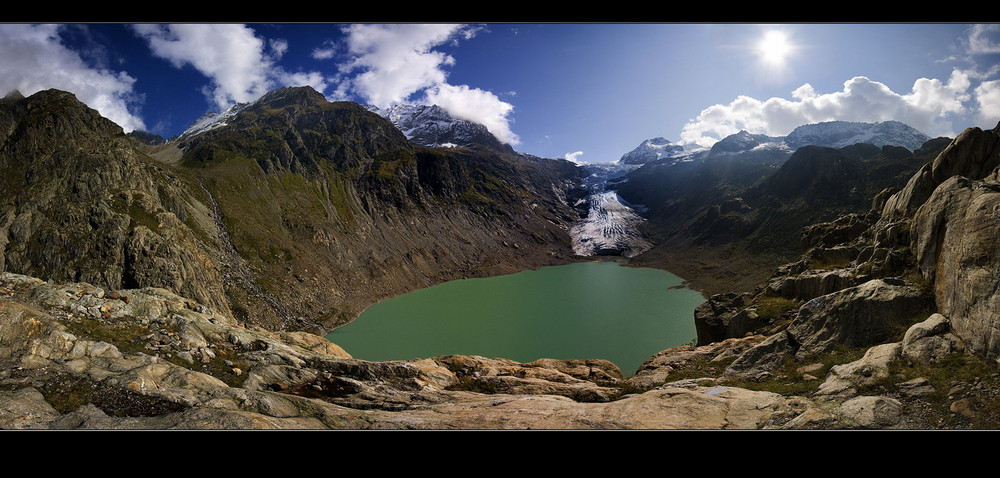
pixel 79 203
pixel 952 202
pixel 955 238
pixel 972 154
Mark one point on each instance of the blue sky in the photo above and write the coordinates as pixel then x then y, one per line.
pixel 588 92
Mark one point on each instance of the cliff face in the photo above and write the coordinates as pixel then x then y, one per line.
pixel 79 203
pixel 954 235
pixel 297 215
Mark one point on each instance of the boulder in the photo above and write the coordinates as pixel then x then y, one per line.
pixel 712 317
pixel 930 340
pixel 870 313
pixel 811 283
pixel 764 358
pixel 873 366
pixel 870 412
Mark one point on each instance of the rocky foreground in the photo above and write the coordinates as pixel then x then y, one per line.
pixel 75 356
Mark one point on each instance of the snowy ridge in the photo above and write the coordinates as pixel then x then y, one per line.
pixel 837 134
pixel 745 141
pixel 832 134
pixel 431 125
pixel 612 225
pixel 210 121
pixel 652 150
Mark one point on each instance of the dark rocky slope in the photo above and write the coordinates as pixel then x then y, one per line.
pixel 725 221
pixel 297 215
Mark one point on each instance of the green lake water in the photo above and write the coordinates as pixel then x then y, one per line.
pixel 578 311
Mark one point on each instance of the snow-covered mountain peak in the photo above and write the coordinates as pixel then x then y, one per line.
pixel 431 125
pixel 212 120
pixel 652 150
pixel 837 134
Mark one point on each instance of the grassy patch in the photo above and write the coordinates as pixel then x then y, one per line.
pixel 125 336
pixel 967 371
pixel 790 381
pixel 772 307
pixel 68 393
pixel 223 367
pixel 698 368
pixel 827 264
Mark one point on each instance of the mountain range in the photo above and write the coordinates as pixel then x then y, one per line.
pixel 251 209
pixel 743 203
pixel 186 283
pixel 298 213
pixel 831 134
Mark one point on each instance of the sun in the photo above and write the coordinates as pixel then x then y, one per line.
pixel 774 47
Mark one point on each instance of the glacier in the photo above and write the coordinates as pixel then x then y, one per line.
pixel 612 225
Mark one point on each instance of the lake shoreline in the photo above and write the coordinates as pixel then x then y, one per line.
pixel 591 308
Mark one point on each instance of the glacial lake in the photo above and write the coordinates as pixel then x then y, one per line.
pixel 583 310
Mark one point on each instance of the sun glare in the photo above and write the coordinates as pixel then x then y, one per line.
pixel 774 47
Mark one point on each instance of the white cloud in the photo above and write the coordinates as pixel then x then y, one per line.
pixel 574 157
pixel 397 62
pixel 927 108
pixel 984 39
pixel 988 98
pixel 478 106
pixel 279 47
pixel 34 59
pixel 231 55
pixel 325 51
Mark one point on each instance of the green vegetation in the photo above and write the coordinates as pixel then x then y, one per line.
pixel 226 366
pixel 773 307
pixel 789 380
pixel 126 336
pixel 829 263
pixel 951 378
pixel 67 393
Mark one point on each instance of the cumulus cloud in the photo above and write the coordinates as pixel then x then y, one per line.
pixel 325 51
pixel 574 156
pixel 927 107
pixel 984 39
pixel 473 104
pixel 988 97
pixel 34 59
pixel 233 57
pixel 229 54
pixel 396 60
pixel 400 61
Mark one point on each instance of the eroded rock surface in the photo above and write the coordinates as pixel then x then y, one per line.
pixel 76 356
